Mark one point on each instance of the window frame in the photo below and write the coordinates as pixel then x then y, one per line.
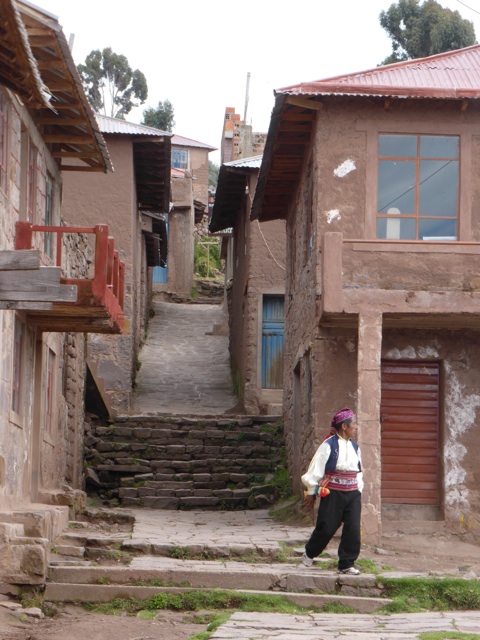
pixel 464 131
pixel 418 215
pixel 18 370
pixel 184 165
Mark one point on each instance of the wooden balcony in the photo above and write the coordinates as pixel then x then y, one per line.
pixel 98 307
pixel 412 283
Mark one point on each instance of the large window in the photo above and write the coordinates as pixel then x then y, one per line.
pixel 418 187
pixel 180 159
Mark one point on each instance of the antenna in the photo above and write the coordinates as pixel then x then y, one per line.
pixel 246 97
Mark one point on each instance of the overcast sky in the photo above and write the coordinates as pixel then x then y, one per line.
pixel 197 53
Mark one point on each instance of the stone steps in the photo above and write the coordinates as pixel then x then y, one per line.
pixel 306 587
pixel 162 462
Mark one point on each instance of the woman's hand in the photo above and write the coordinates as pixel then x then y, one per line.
pixel 309 501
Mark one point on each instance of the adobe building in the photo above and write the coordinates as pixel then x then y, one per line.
pixel 132 200
pixel 376 176
pixel 55 287
pixel 187 216
pixel 255 279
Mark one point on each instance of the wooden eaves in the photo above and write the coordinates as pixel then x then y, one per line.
pixel 71 132
pixel 290 132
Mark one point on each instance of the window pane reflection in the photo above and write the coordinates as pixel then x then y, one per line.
pixel 437 229
pixel 396 186
pixel 397 146
pixel 438 191
pixel 393 228
pixel 439 146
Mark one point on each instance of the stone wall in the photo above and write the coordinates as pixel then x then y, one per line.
pixel 178 463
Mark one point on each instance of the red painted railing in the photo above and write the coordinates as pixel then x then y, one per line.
pixel 106 288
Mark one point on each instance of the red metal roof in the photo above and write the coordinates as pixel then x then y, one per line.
pixel 455 74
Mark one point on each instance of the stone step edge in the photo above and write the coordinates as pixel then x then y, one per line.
pixel 211 574
pixel 69 592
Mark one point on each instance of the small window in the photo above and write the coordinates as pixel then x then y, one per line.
pixel 418 187
pixel 49 390
pixel 17 370
pixel 31 182
pixel 180 159
pixel 3 140
pixel 48 241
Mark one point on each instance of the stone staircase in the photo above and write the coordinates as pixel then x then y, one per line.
pixel 162 462
pixel 100 566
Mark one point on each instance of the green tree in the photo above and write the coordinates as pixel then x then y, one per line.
pixel 213 170
pixel 421 30
pixel 111 85
pixel 160 118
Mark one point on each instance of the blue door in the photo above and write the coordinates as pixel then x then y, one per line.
pixel 160 274
pixel 272 342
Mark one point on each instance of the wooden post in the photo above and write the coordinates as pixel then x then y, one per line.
pixel 23 235
pixel 99 283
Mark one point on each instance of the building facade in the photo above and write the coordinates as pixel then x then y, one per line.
pixel 50 295
pixel 376 176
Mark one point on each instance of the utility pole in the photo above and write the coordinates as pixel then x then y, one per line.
pixel 246 98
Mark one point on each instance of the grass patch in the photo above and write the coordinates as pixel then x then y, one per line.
pixel 448 635
pixel 412 595
pixel 217 620
pixel 368 566
pixel 146 614
pixel 196 600
pixel 181 553
pixel 291 511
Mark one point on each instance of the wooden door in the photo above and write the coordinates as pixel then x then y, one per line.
pixel 409 417
pixel 272 342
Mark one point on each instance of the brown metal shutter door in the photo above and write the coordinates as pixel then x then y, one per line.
pixel 409 421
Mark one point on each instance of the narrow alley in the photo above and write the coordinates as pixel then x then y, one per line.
pixel 184 366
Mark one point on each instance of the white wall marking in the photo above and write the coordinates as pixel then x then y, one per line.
pixel 344 169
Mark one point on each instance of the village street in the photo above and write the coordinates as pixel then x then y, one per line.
pixel 407 549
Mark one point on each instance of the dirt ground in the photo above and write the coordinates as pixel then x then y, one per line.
pixel 74 623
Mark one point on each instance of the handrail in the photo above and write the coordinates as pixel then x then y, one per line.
pixel 109 271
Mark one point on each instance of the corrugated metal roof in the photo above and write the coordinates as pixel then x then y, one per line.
pixel 116 125
pixel 454 74
pixel 253 162
pixel 230 194
pixel 180 141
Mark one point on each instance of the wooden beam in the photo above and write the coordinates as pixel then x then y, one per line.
pixel 63 122
pixel 75 154
pixel 66 167
pixel 19 260
pixel 19 305
pixel 305 103
pixel 42 284
pixel 67 138
pixel 295 116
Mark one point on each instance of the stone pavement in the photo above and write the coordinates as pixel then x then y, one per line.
pixel 233 533
pixel 248 531
pixel 185 369
pixel 275 626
